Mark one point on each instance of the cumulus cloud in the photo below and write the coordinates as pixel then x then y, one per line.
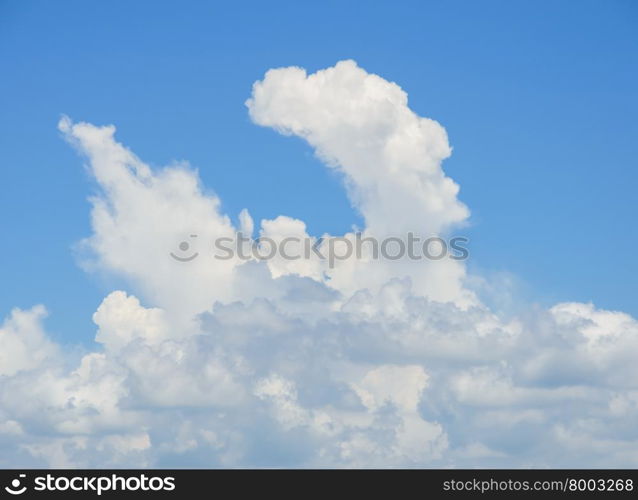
pixel 361 125
pixel 294 363
pixel 23 343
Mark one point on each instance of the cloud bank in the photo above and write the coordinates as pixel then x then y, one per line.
pixel 290 363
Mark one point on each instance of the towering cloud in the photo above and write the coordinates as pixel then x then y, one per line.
pixel 361 124
pixel 369 363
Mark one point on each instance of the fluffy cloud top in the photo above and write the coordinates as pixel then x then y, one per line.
pixel 362 125
pixel 391 158
pixel 291 363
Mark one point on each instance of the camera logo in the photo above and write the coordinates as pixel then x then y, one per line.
pixel 184 246
pixel 15 489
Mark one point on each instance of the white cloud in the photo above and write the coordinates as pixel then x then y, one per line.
pixel 23 343
pixel 291 363
pixel 122 320
pixel 361 125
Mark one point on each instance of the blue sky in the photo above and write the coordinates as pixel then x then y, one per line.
pixel 539 102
